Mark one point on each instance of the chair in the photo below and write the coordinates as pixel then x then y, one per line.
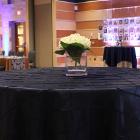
pixel 18 64
pixel 11 53
pixel 20 53
pixel 3 53
pixel 2 66
pixel 31 56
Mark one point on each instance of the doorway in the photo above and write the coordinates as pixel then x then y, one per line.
pixel 17 37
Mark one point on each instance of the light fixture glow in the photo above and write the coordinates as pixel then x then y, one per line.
pixel 18 12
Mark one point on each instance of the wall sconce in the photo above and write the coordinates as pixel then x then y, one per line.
pixel 76 8
pixel 18 12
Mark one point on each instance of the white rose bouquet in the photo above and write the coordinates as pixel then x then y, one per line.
pixel 74 45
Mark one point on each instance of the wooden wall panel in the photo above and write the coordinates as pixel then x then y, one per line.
pixel 126 12
pixel 62 33
pixel 65 15
pixel 89 24
pixel 65 24
pixel 93 15
pixel 137 11
pixel 64 6
pixel 95 51
pixel 69 25
pixel 89 33
pixel 97 43
pixel 98 5
pixel 95 5
pixel 132 11
pixel 60 60
pixel 125 3
pixel 88 19
pixel 119 13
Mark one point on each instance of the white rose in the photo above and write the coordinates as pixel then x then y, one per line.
pixel 76 38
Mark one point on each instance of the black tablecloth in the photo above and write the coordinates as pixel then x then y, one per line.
pixel 113 55
pixel 44 104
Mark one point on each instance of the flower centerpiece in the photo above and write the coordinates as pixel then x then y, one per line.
pixel 74 46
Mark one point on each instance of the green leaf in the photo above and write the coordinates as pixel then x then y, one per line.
pixel 74 50
pixel 64 45
pixel 60 52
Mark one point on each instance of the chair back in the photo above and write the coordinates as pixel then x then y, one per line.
pixel 20 53
pixel 3 53
pixel 11 53
pixel 31 57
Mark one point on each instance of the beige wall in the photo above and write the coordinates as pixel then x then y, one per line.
pixel 43 34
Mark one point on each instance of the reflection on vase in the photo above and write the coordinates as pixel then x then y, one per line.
pixel 76 66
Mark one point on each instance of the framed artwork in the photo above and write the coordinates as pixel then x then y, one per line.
pixel 138 37
pixel 115 22
pixel 105 23
pixel 109 30
pixel 132 21
pixel 126 37
pixel 105 29
pixel 138 21
pixel 125 29
pixel 131 30
pixel 138 29
pixel 120 22
pixel 121 30
pixel 115 30
pixel 110 22
pixel 126 21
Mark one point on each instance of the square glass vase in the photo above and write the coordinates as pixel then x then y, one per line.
pixel 74 68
